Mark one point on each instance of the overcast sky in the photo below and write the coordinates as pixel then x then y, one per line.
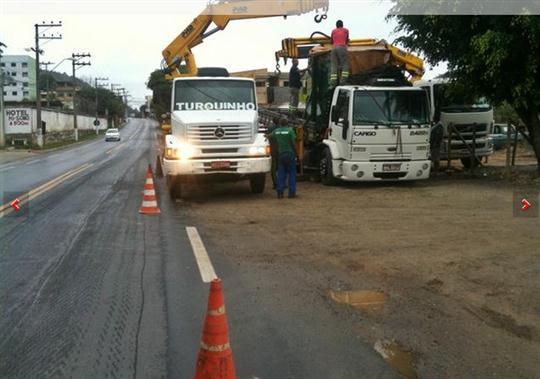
pixel 126 37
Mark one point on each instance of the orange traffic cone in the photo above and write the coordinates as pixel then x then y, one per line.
pixel 215 360
pixel 149 203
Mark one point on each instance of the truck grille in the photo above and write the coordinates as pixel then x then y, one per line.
pixel 466 131
pixel 382 157
pixel 217 133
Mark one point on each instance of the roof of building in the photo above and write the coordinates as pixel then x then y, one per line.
pixel 6 58
pixel 260 73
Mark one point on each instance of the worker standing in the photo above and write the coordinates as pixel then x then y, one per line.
pixel 285 139
pixel 273 150
pixel 295 83
pixel 340 59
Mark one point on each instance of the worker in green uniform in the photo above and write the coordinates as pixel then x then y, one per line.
pixel 273 149
pixel 285 138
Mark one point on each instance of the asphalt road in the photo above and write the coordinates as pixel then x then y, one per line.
pixel 91 289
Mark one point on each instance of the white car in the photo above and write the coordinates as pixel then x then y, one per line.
pixel 112 135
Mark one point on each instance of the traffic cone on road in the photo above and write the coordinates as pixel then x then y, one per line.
pixel 215 360
pixel 149 203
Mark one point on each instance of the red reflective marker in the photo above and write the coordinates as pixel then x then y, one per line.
pixel 15 205
pixel 525 205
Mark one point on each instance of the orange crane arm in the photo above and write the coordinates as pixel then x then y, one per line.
pixel 220 13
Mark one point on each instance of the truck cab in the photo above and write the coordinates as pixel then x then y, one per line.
pixel 472 118
pixel 215 133
pixel 376 133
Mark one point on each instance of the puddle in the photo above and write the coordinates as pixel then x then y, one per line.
pixel 403 361
pixel 369 301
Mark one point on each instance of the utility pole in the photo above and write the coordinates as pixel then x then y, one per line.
pixel 74 63
pixel 38 52
pixel 46 64
pixel 122 93
pixel 96 81
pixel 2 110
pixel 113 90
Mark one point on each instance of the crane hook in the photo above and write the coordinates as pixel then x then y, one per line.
pixel 278 71
pixel 318 18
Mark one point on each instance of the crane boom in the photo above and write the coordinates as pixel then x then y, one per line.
pixel 220 13
pixel 301 48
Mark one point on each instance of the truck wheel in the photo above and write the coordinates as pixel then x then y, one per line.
pixel 175 190
pixel 325 169
pixel 470 162
pixel 257 183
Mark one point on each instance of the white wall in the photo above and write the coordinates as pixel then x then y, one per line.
pixel 60 121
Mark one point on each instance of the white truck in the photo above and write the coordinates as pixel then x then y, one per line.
pixel 470 120
pixel 215 133
pixel 374 133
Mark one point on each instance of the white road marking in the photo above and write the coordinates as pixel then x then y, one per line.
pixel 6 168
pixel 201 255
pixel 34 161
pixel 6 208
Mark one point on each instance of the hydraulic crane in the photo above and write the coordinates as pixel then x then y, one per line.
pixel 220 13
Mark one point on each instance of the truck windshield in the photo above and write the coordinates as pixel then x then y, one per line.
pixel 214 94
pixel 390 107
pixel 455 99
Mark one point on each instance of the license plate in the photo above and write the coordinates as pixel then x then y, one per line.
pixel 220 164
pixel 392 167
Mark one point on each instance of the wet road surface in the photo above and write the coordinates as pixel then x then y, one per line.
pixel 91 289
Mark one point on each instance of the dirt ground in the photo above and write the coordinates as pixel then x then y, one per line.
pixel 458 276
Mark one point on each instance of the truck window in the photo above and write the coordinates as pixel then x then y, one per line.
pixel 454 99
pixel 428 92
pixel 390 106
pixel 214 94
pixel 342 105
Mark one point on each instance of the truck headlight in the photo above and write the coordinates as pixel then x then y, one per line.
pixel 182 152
pixel 259 150
pixel 186 152
pixel 172 153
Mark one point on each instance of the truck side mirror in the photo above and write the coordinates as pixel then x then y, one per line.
pixel 334 114
pixel 345 128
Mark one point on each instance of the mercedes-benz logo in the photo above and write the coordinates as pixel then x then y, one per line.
pixel 219 132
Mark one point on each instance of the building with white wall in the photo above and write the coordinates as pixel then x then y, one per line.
pixel 20 77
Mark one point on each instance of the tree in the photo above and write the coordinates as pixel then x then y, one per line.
pixel 493 56
pixel 161 88
pixel 107 101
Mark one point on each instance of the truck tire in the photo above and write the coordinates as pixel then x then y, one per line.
pixel 257 183
pixel 325 169
pixel 175 188
pixel 470 162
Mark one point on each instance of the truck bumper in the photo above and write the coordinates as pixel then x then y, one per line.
pixel 237 166
pixel 373 171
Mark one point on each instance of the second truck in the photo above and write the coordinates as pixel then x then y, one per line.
pixel 374 127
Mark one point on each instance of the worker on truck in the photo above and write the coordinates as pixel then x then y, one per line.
pixel 285 139
pixel 340 59
pixel 295 83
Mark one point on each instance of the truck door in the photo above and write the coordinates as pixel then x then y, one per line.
pixel 341 125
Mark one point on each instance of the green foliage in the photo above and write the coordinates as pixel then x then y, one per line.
pixel 43 78
pixel 493 56
pixel 107 100
pixel 161 88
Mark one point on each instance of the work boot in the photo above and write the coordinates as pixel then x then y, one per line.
pixel 280 195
